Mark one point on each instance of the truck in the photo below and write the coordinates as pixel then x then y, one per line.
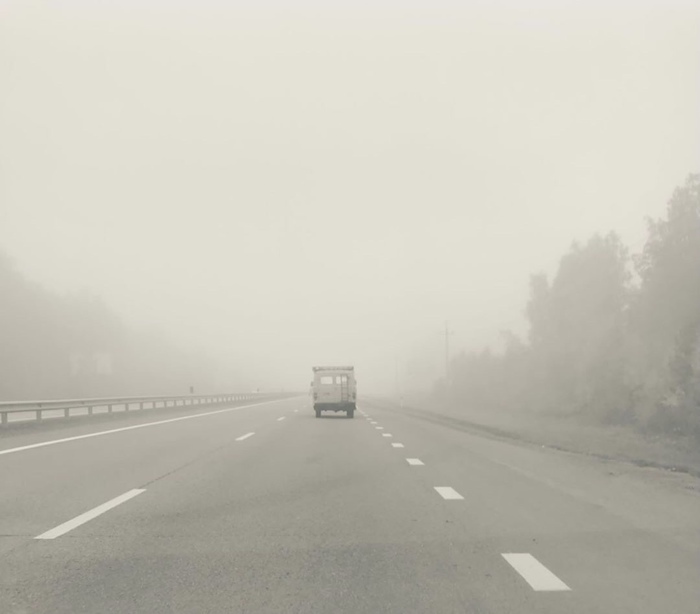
pixel 334 389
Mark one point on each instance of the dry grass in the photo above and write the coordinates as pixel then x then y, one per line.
pixel 679 453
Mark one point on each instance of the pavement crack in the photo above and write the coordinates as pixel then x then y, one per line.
pixel 193 461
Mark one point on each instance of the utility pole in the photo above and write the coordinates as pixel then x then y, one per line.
pixel 396 376
pixel 448 332
pixel 397 381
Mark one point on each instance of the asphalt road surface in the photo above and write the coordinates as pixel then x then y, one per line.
pixel 264 508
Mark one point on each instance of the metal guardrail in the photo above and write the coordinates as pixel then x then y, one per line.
pixel 110 404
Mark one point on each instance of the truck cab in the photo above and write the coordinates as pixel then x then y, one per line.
pixel 334 389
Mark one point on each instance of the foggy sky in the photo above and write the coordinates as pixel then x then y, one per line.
pixel 294 186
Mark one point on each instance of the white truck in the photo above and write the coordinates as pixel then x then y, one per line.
pixel 334 389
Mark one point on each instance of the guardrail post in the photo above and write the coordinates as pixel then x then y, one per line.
pixel 110 403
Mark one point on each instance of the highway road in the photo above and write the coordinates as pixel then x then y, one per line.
pixel 264 508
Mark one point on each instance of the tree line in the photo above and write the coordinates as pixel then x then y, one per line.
pixel 613 337
pixel 56 346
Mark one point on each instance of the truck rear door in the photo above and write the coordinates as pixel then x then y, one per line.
pixel 328 389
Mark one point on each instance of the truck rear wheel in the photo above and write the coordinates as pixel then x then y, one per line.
pixel 318 413
pixel 351 413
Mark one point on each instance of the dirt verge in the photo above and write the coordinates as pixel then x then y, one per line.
pixel 566 433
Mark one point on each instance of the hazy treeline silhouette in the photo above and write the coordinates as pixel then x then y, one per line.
pixel 53 346
pixel 613 337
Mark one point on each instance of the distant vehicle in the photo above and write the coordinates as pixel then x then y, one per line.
pixel 334 389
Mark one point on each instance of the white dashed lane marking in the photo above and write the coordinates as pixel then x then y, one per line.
pixel 62 529
pixel 387 435
pixel 129 428
pixel 397 445
pixel 243 437
pixel 534 573
pixel 415 461
pixel 379 428
pixel 447 492
pixel 280 419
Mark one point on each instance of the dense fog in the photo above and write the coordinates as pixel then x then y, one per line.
pixel 221 195
pixel 614 337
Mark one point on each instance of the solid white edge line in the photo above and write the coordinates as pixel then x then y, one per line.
pixel 415 461
pixel 397 445
pixel 449 493
pixel 130 428
pixel 534 573
pixel 244 437
pixel 62 529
